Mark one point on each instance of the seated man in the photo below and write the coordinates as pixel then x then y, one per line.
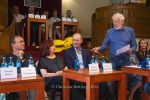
pixel 18 46
pixel 18 18
pixel 53 19
pixel 69 30
pixel 77 52
pixel 46 13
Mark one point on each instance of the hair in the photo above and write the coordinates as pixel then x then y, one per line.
pixel 45 46
pixel 78 35
pixel 14 38
pixel 140 43
pixel 119 16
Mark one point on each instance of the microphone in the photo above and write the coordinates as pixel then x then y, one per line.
pixel 147 88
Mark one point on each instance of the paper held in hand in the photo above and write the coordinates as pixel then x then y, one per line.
pixel 93 68
pixel 123 49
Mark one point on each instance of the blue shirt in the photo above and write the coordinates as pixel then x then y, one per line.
pixel 116 39
pixel 79 55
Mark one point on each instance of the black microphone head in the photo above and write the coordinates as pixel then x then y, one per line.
pixel 147 88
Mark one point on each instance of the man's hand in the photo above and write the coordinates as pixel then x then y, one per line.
pixel 129 51
pixel 95 49
pixel 21 53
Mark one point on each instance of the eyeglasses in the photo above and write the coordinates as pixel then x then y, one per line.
pixel 20 42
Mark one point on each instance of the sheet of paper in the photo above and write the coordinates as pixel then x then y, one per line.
pixel 123 49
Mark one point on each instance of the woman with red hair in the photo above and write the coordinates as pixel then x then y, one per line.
pixel 51 67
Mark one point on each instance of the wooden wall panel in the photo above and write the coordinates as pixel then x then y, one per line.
pixel 4 12
pixel 7 31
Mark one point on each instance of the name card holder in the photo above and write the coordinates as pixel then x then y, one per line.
pixel 94 68
pixel 69 19
pixel 31 15
pixel 74 20
pixel 8 72
pixel 43 17
pixel 107 67
pixel 28 72
pixel 64 19
pixel 37 16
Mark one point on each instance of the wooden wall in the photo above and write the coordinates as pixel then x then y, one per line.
pixel 7 30
pixel 4 13
pixel 137 16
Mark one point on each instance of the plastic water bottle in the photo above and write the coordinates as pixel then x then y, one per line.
pixel 76 64
pixel 11 63
pixel 133 59
pixel 103 62
pixel 31 62
pixel 148 61
pixel 93 60
pixel 4 63
pixel 18 64
pixel 96 59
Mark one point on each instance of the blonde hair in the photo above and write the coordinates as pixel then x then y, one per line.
pixel 118 16
pixel 78 34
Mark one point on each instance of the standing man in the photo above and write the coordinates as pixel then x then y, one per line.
pixel 77 52
pixel 116 38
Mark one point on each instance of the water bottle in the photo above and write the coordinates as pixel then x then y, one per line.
pixel 103 62
pixel 11 63
pixel 96 59
pixel 93 60
pixel 4 63
pixel 18 64
pixel 31 62
pixel 148 61
pixel 76 64
pixel 133 59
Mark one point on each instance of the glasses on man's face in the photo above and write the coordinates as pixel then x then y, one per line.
pixel 20 42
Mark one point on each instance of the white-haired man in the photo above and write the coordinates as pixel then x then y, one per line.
pixel 116 38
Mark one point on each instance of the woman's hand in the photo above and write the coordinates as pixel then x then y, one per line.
pixel 59 73
pixel 129 51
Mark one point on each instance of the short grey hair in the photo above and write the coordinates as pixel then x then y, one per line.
pixel 118 16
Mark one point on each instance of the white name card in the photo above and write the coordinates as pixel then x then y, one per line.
pixel 69 19
pixel 43 17
pixel 31 15
pixel 107 67
pixel 8 72
pixel 64 19
pixel 93 68
pixel 37 16
pixel 28 72
pixel 74 20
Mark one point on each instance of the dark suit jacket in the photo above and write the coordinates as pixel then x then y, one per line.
pixel 70 56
